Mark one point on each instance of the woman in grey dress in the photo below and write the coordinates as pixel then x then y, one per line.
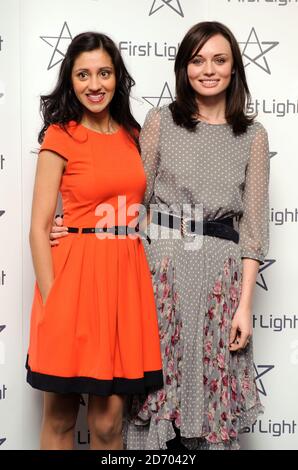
pixel 206 161
pixel 204 156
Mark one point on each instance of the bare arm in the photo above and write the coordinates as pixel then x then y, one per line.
pixel 241 329
pixel 249 277
pixel 49 171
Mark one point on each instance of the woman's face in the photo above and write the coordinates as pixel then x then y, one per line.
pixel 210 71
pixel 93 80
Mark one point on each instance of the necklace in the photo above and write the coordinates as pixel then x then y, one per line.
pixel 110 130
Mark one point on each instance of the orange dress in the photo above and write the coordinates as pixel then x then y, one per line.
pixel 97 331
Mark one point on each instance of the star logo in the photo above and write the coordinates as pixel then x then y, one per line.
pixel 173 4
pixel 164 97
pixel 259 373
pixel 59 43
pixel 267 263
pixel 1 213
pixel 2 441
pixel 272 154
pixel 255 50
pixel 2 327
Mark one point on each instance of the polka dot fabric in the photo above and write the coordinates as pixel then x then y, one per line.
pixel 227 175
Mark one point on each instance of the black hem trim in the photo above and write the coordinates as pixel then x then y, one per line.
pixel 118 386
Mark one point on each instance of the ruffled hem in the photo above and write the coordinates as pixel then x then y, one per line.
pixel 246 419
pixel 158 433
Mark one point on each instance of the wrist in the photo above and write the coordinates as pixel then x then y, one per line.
pixel 245 307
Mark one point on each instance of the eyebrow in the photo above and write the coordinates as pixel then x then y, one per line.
pixel 216 55
pixel 82 69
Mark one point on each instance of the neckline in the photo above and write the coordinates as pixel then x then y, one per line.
pixel 99 133
pixel 212 124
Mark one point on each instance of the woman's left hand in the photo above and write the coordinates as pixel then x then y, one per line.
pixel 241 329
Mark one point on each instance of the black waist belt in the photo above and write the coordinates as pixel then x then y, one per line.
pixel 117 230
pixel 221 228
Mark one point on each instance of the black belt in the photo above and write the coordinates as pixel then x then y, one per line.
pixel 117 230
pixel 221 228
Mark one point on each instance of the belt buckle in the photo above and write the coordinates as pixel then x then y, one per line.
pixel 183 226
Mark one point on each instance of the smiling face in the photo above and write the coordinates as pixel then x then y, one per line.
pixel 94 81
pixel 210 71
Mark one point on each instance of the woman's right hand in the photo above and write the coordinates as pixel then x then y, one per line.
pixel 44 296
pixel 57 231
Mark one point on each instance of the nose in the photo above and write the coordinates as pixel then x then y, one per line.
pixel 208 68
pixel 94 83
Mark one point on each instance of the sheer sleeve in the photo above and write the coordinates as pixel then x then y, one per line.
pixel 254 224
pixel 149 142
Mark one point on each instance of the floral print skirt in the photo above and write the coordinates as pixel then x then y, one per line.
pixel 209 393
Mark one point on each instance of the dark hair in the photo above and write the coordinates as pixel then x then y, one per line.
pixel 184 108
pixel 62 105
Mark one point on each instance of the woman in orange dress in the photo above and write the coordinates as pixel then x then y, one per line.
pixel 93 305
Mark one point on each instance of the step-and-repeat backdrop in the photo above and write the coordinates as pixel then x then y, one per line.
pixel 34 35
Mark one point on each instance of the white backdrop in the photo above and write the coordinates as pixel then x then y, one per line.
pixel 34 35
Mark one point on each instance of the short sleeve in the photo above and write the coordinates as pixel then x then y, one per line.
pixel 56 140
pixel 254 224
pixel 149 143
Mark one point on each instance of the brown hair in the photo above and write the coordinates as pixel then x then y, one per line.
pixel 184 108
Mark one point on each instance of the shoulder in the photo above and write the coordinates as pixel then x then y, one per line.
pixel 153 113
pixel 65 133
pixel 257 129
pixel 152 120
pixel 159 112
pixel 54 138
pixel 64 140
pixel 53 130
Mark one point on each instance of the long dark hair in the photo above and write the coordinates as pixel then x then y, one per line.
pixel 62 105
pixel 184 108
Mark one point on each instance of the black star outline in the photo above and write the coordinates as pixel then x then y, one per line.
pixel 259 374
pixel 261 55
pixel 267 263
pixel 2 440
pixel 56 46
pixel 1 213
pixel 168 3
pixel 2 327
pixel 272 154
pixel 165 89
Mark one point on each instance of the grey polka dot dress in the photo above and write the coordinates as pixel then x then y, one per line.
pixel 209 393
